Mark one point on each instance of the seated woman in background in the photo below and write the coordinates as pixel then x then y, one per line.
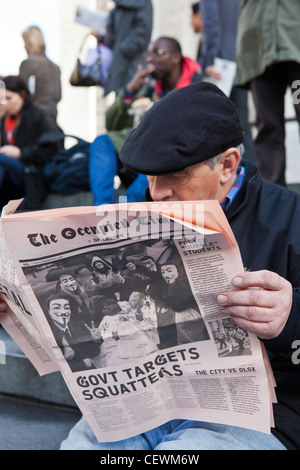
pixel 24 146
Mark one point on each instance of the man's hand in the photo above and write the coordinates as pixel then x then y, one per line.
pixel 94 332
pixel 212 72
pixel 260 302
pixel 139 79
pixel 69 353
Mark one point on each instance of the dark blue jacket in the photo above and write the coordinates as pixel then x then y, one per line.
pixel 265 219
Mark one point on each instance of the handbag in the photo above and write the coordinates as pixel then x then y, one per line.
pixel 95 69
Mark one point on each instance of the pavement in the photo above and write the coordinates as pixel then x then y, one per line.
pixel 36 413
pixel 294 187
pixel 29 425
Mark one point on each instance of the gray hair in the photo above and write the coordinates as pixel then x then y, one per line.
pixel 211 162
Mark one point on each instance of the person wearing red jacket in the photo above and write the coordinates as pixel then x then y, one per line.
pixel 167 69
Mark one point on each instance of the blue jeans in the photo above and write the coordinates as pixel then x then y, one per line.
pixel 11 179
pixel 104 166
pixel 176 435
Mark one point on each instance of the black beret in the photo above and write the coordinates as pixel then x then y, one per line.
pixel 188 126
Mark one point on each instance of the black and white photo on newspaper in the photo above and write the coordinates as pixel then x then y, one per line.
pixel 106 307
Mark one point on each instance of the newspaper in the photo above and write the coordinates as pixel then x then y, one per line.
pixel 121 299
pixel 93 19
pixel 227 69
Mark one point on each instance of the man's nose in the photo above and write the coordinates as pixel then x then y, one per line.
pixel 160 188
pixel 149 58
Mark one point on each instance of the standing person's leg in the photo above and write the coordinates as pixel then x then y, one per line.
pixel 268 94
pixel 240 98
pixel 103 169
pixel 293 77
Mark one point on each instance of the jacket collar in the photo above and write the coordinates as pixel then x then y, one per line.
pixel 189 68
pixel 252 183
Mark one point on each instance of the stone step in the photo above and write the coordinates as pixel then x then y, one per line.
pixel 19 378
pixel 54 201
pixel 25 425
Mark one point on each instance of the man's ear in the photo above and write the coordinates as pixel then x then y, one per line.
pixel 230 161
pixel 176 58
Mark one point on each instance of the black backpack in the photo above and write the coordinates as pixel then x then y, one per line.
pixel 68 172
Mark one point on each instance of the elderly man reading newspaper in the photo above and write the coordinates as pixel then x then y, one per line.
pixel 189 145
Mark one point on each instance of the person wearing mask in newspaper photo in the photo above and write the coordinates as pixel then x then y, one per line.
pixel 70 287
pixel 134 279
pixel 149 263
pixel 104 275
pixel 76 283
pixel 108 284
pixel 150 268
pixel 83 275
pixel 77 345
pixel 165 316
pixel 198 157
pixel 190 326
pixel 178 308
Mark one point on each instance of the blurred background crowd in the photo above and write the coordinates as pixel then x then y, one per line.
pixel 81 110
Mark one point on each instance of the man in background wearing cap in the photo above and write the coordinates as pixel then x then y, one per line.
pixel 194 155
